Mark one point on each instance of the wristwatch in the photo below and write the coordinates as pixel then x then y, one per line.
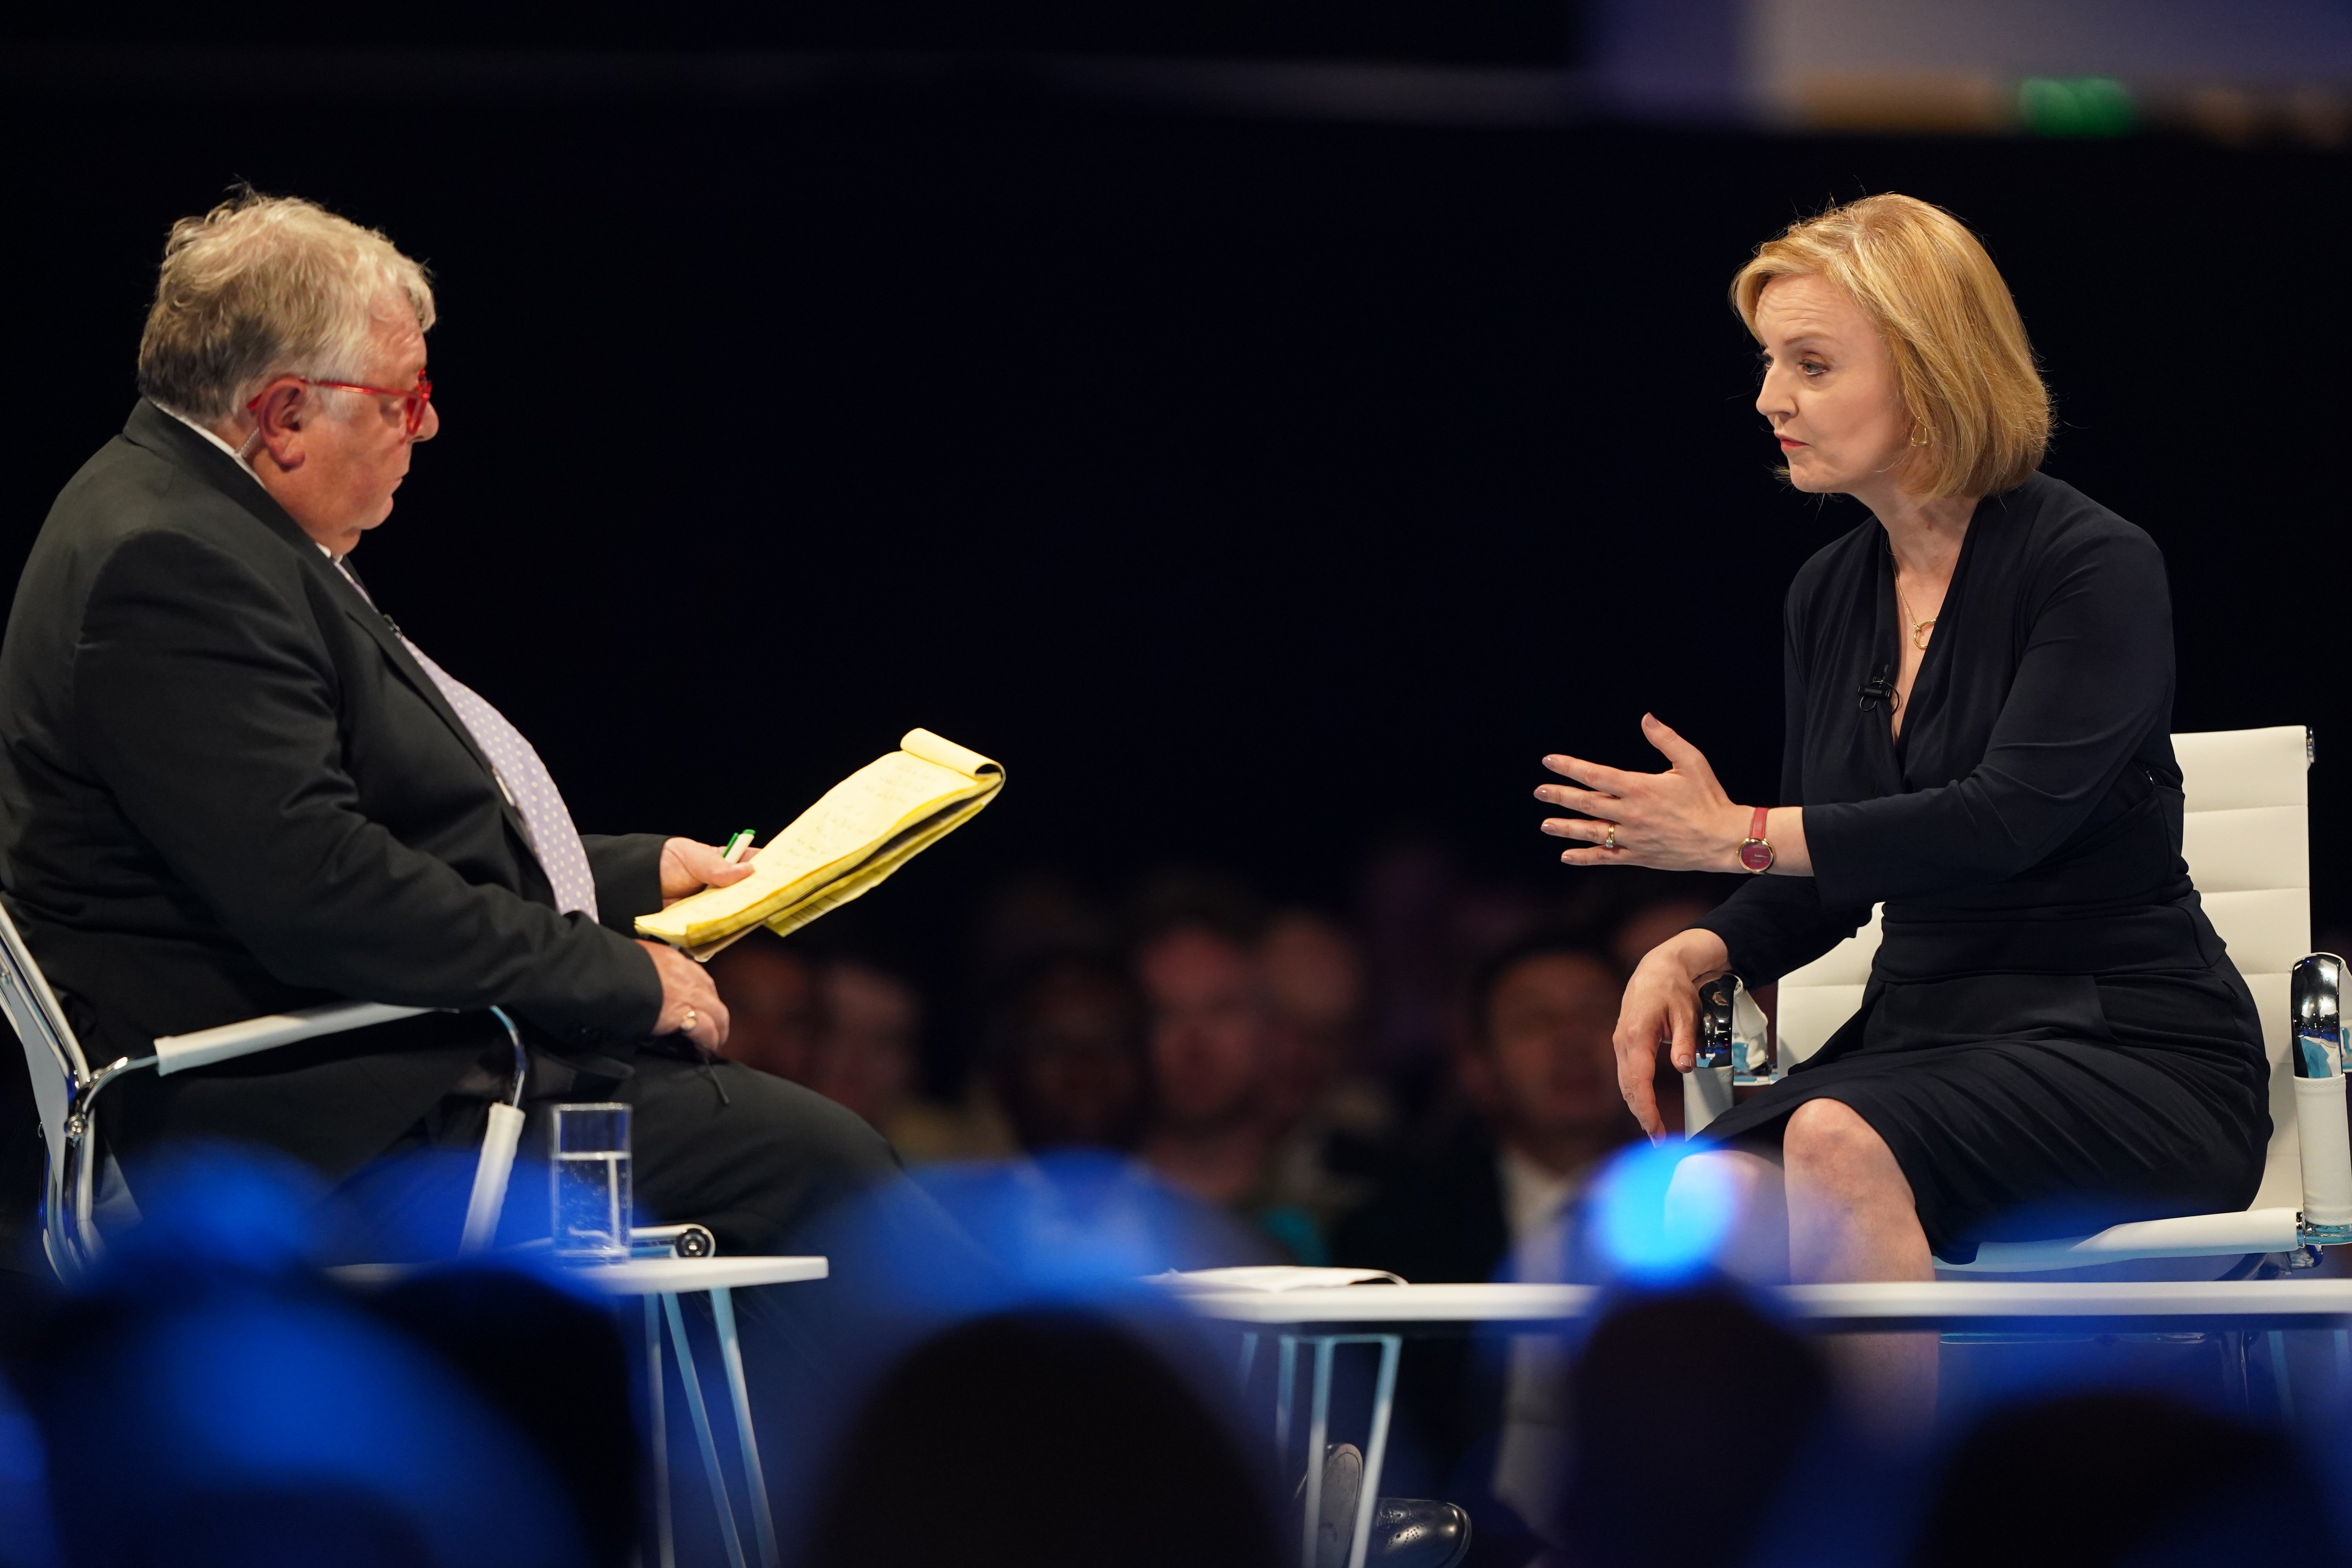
pixel 1755 850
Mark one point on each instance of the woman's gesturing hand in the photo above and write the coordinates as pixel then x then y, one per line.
pixel 1661 1008
pixel 1679 820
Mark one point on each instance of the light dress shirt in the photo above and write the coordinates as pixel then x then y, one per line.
pixel 1534 1195
pixel 1531 1453
pixel 233 456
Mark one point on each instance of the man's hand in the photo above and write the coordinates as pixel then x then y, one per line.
pixel 688 868
pixel 690 1003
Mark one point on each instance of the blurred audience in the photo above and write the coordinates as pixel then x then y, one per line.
pixel 1066 1057
pixel 1540 1072
pixel 1270 1096
pixel 1214 1069
pixel 553 1364
pixel 1333 1116
pixel 1426 922
pixel 866 1055
pixel 867 1059
pixel 1635 908
pixel 1695 1371
pixel 1480 1423
pixel 208 1399
pixel 852 1031
pixel 1314 984
pixel 1043 1440
pixel 1033 916
pixel 775 1014
pixel 1647 925
pixel 2119 1477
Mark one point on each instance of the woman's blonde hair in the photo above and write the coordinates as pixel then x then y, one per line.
pixel 266 285
pixel 1980 416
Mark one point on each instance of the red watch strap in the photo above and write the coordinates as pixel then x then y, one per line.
pixel 1756 824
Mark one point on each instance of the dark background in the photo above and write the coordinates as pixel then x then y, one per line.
pixel 1252 488
pixel 1461 32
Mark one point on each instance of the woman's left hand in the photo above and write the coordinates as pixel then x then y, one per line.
pixel 1679 820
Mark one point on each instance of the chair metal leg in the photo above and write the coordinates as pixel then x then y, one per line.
pixel 658 1423
pixel 1376 1450
pixel 755 1478
pixel 491 1172
pixel 1318 1433
pixel 703 1434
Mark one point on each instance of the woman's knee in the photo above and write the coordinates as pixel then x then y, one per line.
pixel 1828 1144
pixel 1741 1193
pixel 1746 1177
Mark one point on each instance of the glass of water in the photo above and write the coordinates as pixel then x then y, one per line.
pixel 589 1182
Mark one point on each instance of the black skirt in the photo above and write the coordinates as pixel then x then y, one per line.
pixel 2025 1106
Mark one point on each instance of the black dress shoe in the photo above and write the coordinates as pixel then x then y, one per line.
pixel 1407 1531
pixel 1417 1532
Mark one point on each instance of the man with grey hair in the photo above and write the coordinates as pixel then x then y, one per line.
pixel 230 783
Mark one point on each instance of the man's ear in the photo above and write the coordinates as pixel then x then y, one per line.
pixel 279 414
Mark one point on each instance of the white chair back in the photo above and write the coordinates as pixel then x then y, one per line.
pixel 2246 836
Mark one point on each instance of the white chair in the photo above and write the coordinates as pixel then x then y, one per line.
pixel 86 1192
pixel 84 1180
pixel 2246 839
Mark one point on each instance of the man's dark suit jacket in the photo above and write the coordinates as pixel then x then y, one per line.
pixel 226 789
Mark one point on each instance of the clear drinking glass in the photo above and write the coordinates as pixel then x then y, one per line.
pixel 589 1182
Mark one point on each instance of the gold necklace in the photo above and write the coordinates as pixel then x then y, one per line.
pixel 1920 630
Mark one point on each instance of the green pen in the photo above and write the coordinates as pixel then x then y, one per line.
pixel 736 846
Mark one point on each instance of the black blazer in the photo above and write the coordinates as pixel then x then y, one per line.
pixel 225 788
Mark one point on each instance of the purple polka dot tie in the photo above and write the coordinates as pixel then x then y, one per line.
pixel 521 777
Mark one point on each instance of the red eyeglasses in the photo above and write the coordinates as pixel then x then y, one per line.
pixel 412 402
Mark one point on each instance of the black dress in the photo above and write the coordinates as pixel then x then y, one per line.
pixel 2052 1040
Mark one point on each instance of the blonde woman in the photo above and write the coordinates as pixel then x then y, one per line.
pixel 1978 700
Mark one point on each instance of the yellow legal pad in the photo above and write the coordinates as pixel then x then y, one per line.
pixel 865 827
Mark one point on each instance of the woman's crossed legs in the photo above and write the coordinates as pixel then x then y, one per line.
pixel 1835 1207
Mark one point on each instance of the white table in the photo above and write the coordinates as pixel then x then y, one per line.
pixel 660 1281
pixel 1326 1316
pixel 1938 1304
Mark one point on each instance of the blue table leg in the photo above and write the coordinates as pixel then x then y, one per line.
pixel 1318 1434
pixel 755 1478
pixel 1377 1453
pixel 658 1421
pixel 703 1432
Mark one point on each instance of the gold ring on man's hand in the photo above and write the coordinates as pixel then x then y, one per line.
pixel 686 1024
pixel 1609 839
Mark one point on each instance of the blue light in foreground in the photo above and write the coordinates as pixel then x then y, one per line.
pixel 1644 1232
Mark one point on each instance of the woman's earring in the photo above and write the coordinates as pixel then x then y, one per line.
pixel 1918 440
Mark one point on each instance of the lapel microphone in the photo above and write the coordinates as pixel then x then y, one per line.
pixel 1876 689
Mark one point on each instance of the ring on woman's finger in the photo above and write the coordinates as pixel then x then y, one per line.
pixel 1609 839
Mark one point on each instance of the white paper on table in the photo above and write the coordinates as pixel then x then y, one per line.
pixel 1273 1277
